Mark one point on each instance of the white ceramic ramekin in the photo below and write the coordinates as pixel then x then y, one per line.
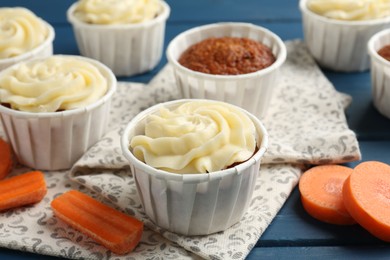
pixel 56 140
pixel 251 91
pixel 339 45
pixel 193 204
pixel 380 72
pixel 127 49
pixel 45 49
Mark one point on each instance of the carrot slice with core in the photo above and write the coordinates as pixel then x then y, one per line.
pixel 21 190
pixel 321 193
pixel 5 159
pixel 366 195
pixel 115 230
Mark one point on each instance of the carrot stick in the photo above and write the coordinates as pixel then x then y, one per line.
pixel 5 159
pixel 366 194
pixel 118 232
pixel 21 190
pixel 321 193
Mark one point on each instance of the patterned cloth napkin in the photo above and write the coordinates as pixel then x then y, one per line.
pixel 306 125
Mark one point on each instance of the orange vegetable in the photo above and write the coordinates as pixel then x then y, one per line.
pixel 366 194
pixel 115 230
pixel 321 193
pixel 5 159
pixel 21 190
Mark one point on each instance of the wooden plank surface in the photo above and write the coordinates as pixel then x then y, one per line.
pixel 293 234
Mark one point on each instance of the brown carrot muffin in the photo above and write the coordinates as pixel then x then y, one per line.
pixel 227 56
pixel 385 52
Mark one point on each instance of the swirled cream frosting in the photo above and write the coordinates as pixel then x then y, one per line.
pixel 53 84
pixel 350 10
pixel 116 11
pixel 196 137
pixel 20 31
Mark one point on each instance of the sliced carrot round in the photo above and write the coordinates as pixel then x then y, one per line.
pixel 366 195
pixel 321 193
pixel 5 159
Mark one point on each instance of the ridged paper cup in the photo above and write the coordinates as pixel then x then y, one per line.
pixel 193 204
pixel 339 45
pixel 380 72
pixel 56 140
pixel 45 49
pixel 251 91
pixel 127 49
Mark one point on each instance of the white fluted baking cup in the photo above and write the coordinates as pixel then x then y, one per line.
pixel 127 49
pixel 56 140
pixel 251 91
pixel 380 72
pixel 193 204
pixel 45 49
pixel 339 45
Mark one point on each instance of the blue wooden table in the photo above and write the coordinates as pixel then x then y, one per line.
pixel 292 234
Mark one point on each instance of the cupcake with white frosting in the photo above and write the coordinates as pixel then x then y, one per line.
pixel 23 36
pixel 54 109
pixel 126 35
pixel 201 158
pixel 337 31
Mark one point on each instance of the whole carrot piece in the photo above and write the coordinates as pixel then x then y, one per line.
pixel 321 193
pixel 21 190
pixel 113 229
pixel 366 194
pixel 5 159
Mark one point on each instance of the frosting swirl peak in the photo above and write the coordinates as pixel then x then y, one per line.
pixel 350 10
pixel 20 31
pixel 116 11
pixel 53 84
pixel 196 137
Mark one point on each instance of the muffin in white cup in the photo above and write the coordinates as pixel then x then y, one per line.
pixel 126 35
pixel 195 163
pixel 380 71
pixel 54 109
pixel 336 32
pixel 251 91
pixel 23 36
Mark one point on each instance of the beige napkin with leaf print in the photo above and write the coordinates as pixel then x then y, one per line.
pixel 306 125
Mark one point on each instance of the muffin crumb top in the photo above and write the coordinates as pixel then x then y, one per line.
pixel 227 56
pixel 385 52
